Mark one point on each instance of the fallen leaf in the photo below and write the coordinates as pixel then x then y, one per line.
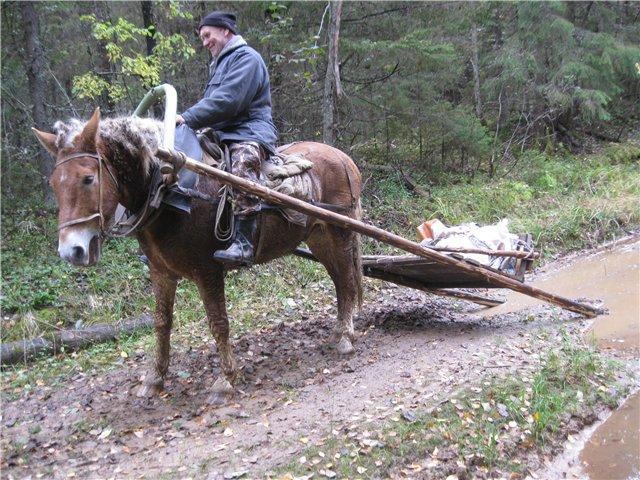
pixel 409 416
pixel 228 475
pixel 502 410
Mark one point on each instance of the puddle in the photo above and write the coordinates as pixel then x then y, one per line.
pixel 613 276
pixel 614 448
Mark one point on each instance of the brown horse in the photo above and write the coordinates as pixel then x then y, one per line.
pixel 102 163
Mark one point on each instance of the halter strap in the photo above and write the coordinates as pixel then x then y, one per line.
pixel 95 156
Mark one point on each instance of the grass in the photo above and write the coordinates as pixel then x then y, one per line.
pixel 566 202
pixel 55 371
pixel 481 430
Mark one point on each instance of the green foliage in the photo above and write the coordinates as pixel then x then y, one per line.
pixel 564 201
pixel 616 153
pixel 134 71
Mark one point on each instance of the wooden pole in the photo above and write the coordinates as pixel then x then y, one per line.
pixel 373 232
pixel 486 251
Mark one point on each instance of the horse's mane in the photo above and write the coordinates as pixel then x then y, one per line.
pixel 124 138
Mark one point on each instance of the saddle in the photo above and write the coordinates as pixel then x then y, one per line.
pixel 283 173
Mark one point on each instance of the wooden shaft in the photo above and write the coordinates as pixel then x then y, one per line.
pixel 487 251
pixel 377 233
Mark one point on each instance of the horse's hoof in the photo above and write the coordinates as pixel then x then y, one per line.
pixel 334 337
pixel 148 390
pixel 222 392
pixel 151 386
pixel 345 347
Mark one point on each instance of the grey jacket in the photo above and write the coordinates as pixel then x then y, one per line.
pixel 237 99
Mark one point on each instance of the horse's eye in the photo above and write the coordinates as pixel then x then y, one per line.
pixel 88 179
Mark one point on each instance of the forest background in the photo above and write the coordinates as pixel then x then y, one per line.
pixel 461 111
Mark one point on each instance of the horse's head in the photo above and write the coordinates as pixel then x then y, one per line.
pixel 85 188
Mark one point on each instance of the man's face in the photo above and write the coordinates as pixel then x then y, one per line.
pixel 214 38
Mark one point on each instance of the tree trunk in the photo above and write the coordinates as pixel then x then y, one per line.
pixel 332 87
pixel 34 66
pixel 148 22
pixel 104 68
pixel 476 70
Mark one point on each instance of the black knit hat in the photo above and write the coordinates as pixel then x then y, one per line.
pixel 219 19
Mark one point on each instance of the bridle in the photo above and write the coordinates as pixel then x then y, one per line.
pixel 95 156
pixel 127 223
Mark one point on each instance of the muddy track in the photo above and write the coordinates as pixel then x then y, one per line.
pixel 412 351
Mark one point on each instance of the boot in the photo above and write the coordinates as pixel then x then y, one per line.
pixel 240 252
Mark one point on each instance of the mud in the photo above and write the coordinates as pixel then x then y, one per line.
pixel 412 352
pixel 613 450
pixel 611 276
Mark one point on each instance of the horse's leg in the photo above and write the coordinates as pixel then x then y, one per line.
pixel 336 249
pixel 211 287
pixel 164 289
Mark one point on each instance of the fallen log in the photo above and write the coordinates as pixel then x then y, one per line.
pixel 23 351
pixel 179 160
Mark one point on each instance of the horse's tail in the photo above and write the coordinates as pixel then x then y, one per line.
pixel 357 257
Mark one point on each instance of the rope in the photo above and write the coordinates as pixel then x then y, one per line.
pixel 226 202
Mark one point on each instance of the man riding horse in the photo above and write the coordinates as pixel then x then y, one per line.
pixel 105 162
pixel 237 105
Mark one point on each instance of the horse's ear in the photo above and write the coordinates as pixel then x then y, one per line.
pixel 48 141
pixel 89 134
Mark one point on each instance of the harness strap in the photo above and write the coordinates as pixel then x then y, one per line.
pixel 147 214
